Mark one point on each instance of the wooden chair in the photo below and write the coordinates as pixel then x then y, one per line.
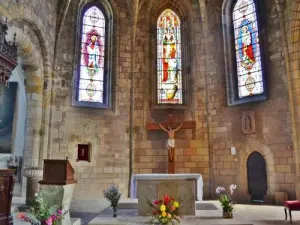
pixel 291 206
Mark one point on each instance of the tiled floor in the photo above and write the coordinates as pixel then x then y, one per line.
pixel 209 213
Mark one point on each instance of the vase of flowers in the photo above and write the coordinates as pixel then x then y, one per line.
pixel 164 210
pixel 226 200
pixel 41 214
pixel 113 195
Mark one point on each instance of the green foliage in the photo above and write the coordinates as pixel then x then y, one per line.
pixel 113 195
pixel 225 198
pixel 226 203
pixel 41 213
pixel 39 210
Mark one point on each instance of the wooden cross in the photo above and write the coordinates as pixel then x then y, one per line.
pixel 170 123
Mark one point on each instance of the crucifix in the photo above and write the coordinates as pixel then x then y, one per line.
pixel 171 126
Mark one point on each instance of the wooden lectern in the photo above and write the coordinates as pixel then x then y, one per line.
pixel 58 172
pixel 7 181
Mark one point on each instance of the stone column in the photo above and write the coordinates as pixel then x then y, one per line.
pixel 33 175
pixel 61 196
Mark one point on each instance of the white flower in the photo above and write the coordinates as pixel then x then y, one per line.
pixel 36 194
pixel 232 187
pixel 220 189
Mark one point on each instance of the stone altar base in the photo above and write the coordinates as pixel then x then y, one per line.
pixel 182 190
pixel 60 195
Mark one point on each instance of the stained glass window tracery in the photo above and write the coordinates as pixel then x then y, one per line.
pixel 247 49
pixel 169 67
pixel 92 56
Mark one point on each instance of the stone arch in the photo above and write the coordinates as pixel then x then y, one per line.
pixel 33 68
pixel 22 12
pixel 37 68
pixel 256 163
pixel 254 145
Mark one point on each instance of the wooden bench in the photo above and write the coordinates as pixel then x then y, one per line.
pixel 291 206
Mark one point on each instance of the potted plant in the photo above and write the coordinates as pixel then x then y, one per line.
pixel 113 195
pixel 41 214
pixel 226 200
pixel 164 210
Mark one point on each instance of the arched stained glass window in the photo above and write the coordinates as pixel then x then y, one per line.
pixel 169 68
pixel 248 54
pixel 243 52
pixel 91 82
pixel 93 78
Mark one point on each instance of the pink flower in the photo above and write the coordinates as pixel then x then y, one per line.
pixel 54 217
pixel 49 221
pixel 156 202
pixel 59 212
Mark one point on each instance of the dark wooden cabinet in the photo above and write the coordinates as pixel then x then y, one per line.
pixel 57 172
pixel 7 181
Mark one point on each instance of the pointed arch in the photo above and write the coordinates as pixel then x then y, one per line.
pixel 243 48
pixel 93 57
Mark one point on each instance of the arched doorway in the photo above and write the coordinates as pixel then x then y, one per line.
pixel 257 177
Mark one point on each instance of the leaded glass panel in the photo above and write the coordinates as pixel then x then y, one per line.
pixel 247 47
pixel 91 78
pixel 169 68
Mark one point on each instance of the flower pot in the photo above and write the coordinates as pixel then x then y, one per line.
pixel 227 215
pixel 115 212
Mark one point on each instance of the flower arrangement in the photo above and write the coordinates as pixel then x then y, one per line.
pixel 225 199
pixel 41 214
pixel 113 195
pixel 165 211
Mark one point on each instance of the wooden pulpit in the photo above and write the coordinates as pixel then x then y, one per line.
pixel 57 172
pixel 7 181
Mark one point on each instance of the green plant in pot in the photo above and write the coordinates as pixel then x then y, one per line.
pixel 113 195
pixel 226 200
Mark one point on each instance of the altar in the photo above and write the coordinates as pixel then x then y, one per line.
pixel 186 188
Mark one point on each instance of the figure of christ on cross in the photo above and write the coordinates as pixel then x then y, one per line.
pixel 167 127
pixel 171 140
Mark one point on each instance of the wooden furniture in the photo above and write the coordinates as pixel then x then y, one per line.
pixel 291 206
pixel 58 172
pixel 7 181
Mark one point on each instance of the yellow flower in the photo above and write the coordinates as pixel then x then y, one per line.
pixel 169 215
pixel 176 204
pixel 162 208
pixel 163 214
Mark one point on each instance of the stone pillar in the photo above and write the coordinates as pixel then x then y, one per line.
pixel 61 196
pixel 33 175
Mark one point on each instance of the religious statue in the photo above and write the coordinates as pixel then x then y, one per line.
pixel 171 140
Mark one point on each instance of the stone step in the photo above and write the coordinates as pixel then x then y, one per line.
pixel 133 204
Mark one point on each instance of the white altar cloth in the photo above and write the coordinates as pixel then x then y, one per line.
pixel 161 176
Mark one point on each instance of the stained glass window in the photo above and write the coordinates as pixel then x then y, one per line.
pixel 169 68
pixel 91 74
pixel 247 48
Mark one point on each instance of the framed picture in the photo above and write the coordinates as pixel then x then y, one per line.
pixel 83 152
